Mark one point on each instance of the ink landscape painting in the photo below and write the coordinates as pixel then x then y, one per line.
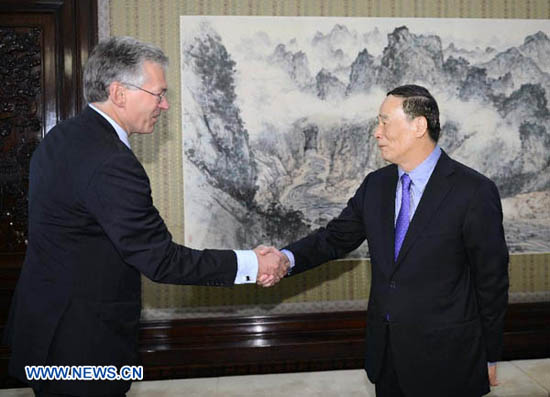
pixel 278 115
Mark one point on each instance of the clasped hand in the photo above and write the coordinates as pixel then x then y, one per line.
pixel 273 265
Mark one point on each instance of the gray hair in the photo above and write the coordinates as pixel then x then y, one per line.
pixel 118 59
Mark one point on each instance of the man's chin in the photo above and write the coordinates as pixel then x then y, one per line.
pixel 384 155
pixel 145 132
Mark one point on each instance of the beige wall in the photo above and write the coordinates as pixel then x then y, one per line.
pixel 327 287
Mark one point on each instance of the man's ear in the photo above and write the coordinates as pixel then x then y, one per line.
pixel 117 94
pixel 421 126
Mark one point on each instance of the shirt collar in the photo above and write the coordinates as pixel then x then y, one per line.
pixel 421 174
pixel 122 135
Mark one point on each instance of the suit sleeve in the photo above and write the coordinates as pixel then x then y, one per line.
pixel 342 234
pixel 119 196
pixel 488 257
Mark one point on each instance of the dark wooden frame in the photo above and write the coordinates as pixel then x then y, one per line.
pixel 70 32
pixel 74 34
pixel 75 29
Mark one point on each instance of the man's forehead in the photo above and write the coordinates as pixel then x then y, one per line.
pixel 154 73
pixel 394 100
pixel 389 104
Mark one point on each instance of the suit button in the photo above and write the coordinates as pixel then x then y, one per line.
pixel 393 285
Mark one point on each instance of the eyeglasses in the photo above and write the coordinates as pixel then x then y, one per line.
pixel 159 96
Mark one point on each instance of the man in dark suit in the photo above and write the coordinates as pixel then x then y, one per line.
pixel 93 230
pixel 439 260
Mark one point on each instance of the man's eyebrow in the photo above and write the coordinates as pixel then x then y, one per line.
pixel 383 116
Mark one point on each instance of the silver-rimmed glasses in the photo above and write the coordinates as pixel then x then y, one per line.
pixel 159 96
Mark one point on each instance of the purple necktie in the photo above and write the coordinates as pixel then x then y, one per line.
pixel 403 218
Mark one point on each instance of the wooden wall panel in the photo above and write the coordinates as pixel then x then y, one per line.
pixel 43 47
pixel 209 347
pixel 297 342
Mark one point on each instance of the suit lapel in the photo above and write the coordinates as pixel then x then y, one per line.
pixel 387 215
pixel 437 188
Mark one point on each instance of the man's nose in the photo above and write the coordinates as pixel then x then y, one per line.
pixel 164 103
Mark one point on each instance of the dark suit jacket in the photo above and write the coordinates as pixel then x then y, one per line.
pixel 446 294
pixel 92 230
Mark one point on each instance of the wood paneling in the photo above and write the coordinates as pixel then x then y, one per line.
pixel 46 44
pixel 28 102
pixel 261 344
pixel 209 347
pixel 298 342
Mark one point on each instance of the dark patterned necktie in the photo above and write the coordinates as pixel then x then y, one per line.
pixel 403 218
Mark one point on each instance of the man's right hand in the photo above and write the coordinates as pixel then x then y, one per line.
pixel 272 265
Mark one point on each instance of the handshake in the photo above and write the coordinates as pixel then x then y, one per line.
pixel 273 265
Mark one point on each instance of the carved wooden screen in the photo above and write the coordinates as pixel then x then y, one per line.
pixel 25 68
pixel 43 46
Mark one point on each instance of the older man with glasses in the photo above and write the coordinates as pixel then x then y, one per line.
pixel 93 230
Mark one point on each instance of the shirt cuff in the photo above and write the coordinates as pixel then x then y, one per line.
pixel 290 257
pixel 247 266
pixel 491 364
